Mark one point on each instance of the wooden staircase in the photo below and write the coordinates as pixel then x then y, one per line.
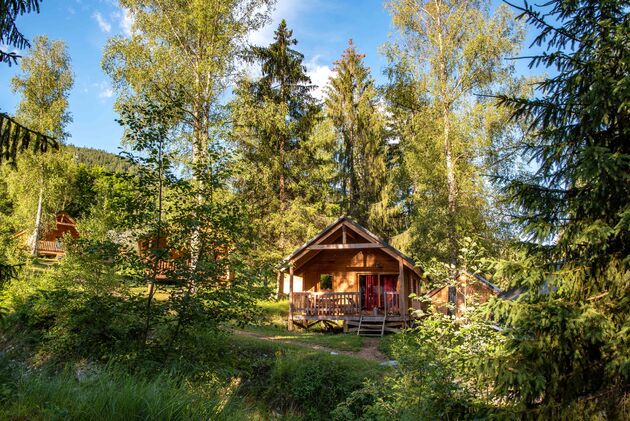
pixel 373 325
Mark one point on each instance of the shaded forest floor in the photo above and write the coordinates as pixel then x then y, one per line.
pixel 369 349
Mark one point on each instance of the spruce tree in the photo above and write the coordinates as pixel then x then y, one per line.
pixel 351 103
pixel 9 32
pixel 569 332
pixel 282 150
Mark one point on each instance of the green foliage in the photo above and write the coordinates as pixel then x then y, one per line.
pixel 440 374
pixel 351 104
pixel 9 33
pixel 315 383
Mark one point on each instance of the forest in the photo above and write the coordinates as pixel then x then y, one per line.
pixel 164 299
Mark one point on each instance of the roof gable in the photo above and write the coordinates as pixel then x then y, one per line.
pixel 345 223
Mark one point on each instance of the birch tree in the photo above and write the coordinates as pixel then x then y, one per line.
pixel 44 85
pixel 451 51
pixel 183 53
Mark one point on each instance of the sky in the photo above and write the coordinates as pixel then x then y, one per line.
pixel 322 28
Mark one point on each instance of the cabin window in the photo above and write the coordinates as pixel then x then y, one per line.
pixel 325 282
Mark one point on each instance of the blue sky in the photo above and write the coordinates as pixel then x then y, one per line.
pixel 322 28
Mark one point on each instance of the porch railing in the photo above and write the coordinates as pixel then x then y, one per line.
pixel 55 247
pixel 325 303
pixel 392 303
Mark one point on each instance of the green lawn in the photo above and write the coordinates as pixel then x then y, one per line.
pixel 275 326
pixel 162 293
pixel 334 340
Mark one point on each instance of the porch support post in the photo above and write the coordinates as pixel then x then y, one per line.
pixel 404 294
pixel 290 322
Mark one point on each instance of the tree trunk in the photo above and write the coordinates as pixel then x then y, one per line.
pixel 38 223
pixel 451 182
pixel 452 188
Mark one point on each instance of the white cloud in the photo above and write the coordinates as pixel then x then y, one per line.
pixel 284 9
pixel 104 90
pixel 126 21
pixel 320 75
pixel 102 23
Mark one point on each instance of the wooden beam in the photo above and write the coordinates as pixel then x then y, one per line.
pixel 404 294
pixel 343 234
pixel 299 265
pixel 290 321
pixel 345 246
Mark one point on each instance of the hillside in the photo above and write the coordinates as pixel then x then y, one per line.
pixel 96 157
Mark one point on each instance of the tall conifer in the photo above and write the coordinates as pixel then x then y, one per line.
pixel 351 103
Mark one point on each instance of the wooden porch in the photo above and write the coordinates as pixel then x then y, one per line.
pixel 50 248
pixel 309 308
pixel 338 305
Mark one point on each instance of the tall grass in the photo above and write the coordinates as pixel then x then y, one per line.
pixel 118 396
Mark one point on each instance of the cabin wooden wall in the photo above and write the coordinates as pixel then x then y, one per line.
pixel 61 228
pixel 467 292
pixel 344 266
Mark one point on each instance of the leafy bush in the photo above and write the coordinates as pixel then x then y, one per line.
pixel 72 324
pixel 440 375
pixel 315 383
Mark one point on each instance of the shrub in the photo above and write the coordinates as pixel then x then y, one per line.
pixel 68 324
pixel 315 383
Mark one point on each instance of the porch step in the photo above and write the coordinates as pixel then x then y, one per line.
pixel 373 326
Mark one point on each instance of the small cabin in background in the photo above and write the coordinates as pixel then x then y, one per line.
pixel 346 273
pixel 50 242
pixel 166 268
pixel 467 290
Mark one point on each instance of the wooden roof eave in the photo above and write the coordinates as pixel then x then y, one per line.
pixel 369 236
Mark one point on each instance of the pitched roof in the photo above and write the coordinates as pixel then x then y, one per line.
pixel 361 230
pixel 476 276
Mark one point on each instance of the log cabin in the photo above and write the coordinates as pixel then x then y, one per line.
pixel 50 243
pixel 346 273
pixel 168 268
pixel 466 290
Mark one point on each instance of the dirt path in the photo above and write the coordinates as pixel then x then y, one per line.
pixel 369 351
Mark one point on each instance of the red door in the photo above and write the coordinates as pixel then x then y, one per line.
pixel 369 291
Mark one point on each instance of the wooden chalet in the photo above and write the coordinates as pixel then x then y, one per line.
pixel 346 273
pixel 167 267
pixel 467 290
pixel 50 242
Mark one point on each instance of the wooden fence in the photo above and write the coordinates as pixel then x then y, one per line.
pixel 325 303
pixel 50 247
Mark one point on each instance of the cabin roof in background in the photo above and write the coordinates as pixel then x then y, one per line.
pixel 475 276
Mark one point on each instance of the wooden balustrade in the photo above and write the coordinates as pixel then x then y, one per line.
pixel 392 303
pixel 52 247
pixel 320 304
